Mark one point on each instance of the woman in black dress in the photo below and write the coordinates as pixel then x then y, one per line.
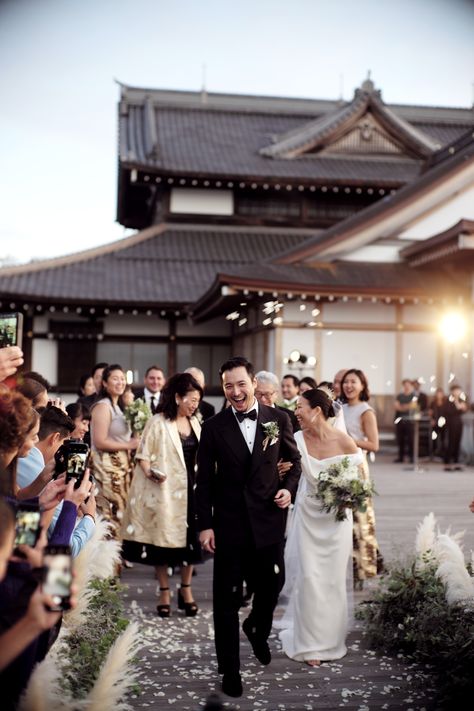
pixel 159 526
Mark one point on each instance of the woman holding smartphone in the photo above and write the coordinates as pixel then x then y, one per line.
pixel 159 526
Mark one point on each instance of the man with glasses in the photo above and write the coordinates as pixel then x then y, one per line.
pixel 267 392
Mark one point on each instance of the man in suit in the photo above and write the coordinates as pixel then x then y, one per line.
pixel 205 409
pixel 290 388
pixel 153 382
pixel 241 509
pixel 267 393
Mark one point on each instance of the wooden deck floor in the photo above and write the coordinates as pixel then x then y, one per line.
pixel 177 659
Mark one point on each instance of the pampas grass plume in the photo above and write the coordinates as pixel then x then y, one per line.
pixel 116 675
pixel 43 691
pixel 452 571
pixel 425 539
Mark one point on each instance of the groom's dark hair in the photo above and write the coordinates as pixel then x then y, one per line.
pixel 237 362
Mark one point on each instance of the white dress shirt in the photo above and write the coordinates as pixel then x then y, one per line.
pixel 148 395
pixel 248 427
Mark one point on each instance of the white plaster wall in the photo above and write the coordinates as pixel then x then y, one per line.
pixel 202 202
pixel 354 312
pixel 443 216
pixel 419 355
pixel 421 314
pixel 44 358
pixel 370 351
pixel 375 253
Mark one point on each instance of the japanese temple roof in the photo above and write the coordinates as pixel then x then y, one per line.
pixel 384 281
pixel 392 212
pixel 455 245
pixel 164 264
pixel 202 134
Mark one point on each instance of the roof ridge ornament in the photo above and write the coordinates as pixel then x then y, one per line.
pixel 368 88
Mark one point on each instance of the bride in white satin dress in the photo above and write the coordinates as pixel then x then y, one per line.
pixel 318 548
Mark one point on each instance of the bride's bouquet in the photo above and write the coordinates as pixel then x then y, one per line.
pixel 339 487
pixel 137 415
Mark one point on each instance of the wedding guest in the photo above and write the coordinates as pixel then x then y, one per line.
pixel 405 404
pixel 336 383
pixel 112 444
pixel 307 383
pixel 437 412
pixel 266 392
pixel 15 421
pixel 35 391
pixel 455 407
pixel 241 507
pixel 315 622
pixel 96 375
pixel 86 386
pixel 421 397
pixel 153 383
pixel 205 408
pixel 361 425
pixel 81 417
pixel 159 525
pixel 290 390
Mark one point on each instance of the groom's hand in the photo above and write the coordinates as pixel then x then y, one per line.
pixel 207 540
pixel 282 498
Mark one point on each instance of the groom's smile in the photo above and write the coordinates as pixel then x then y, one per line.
pixel 239 388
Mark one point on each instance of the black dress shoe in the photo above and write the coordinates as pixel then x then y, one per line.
pixel 232 684
pixel 260 647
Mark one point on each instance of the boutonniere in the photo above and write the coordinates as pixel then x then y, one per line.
pixel 271 434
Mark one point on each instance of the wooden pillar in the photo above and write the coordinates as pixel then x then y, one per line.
pixel 172 356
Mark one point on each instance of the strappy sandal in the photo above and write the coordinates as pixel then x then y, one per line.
pixel 190 608
pixel 164 610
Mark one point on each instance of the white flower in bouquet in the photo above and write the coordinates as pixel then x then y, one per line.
pixel 339 488
pixel 137 415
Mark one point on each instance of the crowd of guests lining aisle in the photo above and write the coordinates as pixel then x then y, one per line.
pixel 436 422
pixel 160 488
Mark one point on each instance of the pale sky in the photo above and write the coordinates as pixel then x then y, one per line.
pixel 59 58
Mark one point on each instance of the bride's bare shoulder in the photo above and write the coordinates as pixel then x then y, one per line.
pixel 346 442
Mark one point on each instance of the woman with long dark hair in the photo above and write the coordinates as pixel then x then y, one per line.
pixel 361 424
pixel 159 526
pixel 112 445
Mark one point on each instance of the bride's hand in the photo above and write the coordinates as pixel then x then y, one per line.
pixel 283 467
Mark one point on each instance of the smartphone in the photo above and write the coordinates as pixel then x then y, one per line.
pixel 11 329
pixel 58 576
pixel 28 525
pixel 76 459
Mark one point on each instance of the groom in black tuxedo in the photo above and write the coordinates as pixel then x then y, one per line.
pixel 241 509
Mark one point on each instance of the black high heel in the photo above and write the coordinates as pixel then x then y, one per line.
pixel 190 608
pixel 164 610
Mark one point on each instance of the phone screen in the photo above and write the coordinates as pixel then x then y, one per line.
pixel 58 578
pixel 76 464
pixel 11 329
pixel 27 527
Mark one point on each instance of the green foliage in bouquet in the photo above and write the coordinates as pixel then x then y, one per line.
pixel 83 651
pixel 137 415
pixel 339 488
pixel 410 614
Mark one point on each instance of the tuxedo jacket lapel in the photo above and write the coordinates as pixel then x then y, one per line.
pixel 258 441
pixel 233 437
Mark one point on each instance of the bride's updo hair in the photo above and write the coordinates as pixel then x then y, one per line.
pixel 318 398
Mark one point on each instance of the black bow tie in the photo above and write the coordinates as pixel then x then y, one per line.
pixel 251 414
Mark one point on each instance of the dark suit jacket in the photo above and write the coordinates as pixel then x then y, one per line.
pixel 140 393
pixel 206 409
pixel 294 422
pixel 235 489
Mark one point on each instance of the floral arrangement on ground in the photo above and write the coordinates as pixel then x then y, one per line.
pixel 425 609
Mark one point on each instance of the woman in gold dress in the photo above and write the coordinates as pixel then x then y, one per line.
pixel 112 445
pixel 361 424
